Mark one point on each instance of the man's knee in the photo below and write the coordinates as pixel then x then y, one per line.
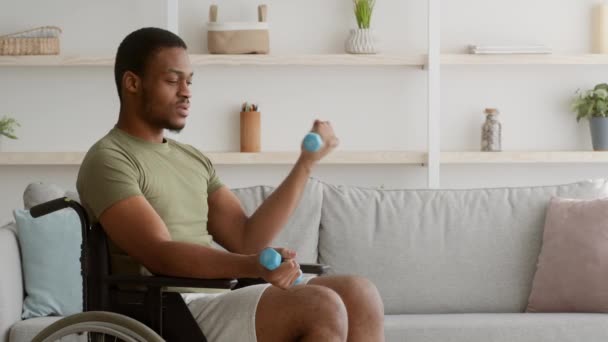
pixel 327 311
pixel 360 296
pixel 361 287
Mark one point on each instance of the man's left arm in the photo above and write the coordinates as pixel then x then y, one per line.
pixel 238 233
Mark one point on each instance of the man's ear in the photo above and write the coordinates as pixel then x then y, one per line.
pixel 131 82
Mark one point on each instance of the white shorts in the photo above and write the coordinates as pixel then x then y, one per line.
pixel 228 316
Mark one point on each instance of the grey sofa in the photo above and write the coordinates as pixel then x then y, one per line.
pixel 451 265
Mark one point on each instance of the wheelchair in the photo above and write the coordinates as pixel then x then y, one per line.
pixel 148 313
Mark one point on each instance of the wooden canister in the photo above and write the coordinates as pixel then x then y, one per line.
pixel 600 28
pixel 250 131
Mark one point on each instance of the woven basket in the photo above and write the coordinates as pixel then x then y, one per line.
pixel 38 41
pixel 238 37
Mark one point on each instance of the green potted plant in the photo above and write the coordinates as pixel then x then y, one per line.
pixel 361 39
pixel 593 105
pixel 7 127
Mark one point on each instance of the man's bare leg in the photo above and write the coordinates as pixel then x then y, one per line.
pixel 363 304
pixel 302 313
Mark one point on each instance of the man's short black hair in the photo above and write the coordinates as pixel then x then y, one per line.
pixel 138 47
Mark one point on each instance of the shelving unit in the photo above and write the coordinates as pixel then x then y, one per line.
pixel 432 62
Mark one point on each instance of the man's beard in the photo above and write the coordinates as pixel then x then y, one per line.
pixel 175 130
pixel 155 120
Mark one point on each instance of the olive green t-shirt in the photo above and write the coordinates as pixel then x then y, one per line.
pixel 175 178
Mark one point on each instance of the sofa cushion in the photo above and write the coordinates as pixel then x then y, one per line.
pixel 50 253
pixel 572 270
pixel 11 280
pixel 301 232
pixel 518 327
pixel 442 251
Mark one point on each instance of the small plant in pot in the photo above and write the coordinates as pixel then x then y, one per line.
pixel 593 105
pixel 7 128
pixel 361 40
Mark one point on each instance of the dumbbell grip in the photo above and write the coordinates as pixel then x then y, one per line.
pixel 271 259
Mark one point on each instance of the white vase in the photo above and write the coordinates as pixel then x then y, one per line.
pixel 360 41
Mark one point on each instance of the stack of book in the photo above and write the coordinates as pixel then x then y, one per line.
pixel 509 49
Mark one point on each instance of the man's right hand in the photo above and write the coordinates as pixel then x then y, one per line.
pixel 330 141
pixel 283 276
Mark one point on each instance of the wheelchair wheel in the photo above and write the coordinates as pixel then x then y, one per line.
pixel 98 326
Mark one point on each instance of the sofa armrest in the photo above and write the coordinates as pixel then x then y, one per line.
pixel 171 281
pixel 11 281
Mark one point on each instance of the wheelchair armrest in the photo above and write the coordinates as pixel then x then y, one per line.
pixel 317 269
pixel 171 281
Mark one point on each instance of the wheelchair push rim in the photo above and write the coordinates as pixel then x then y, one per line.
pixel 108 323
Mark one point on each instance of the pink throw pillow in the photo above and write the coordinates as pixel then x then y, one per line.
pixel 572 269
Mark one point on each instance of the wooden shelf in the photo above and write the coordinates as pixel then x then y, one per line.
pixel 518 157
pixel 231 60
pixel 311 60
pixel 41 158
pixel 340 158
pixel 54 61
pixel 231 158
pixel 324 60
pixel 524 59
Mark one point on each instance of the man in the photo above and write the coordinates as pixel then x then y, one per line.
pixel 161 204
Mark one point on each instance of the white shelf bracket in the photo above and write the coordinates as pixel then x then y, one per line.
pixel 433 95
pixel 172 16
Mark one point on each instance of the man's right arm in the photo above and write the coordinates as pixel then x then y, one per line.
pixel 134 226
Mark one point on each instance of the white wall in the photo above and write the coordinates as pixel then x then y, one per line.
pixel 372 108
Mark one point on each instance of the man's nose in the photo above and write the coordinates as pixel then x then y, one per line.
pixel 184 90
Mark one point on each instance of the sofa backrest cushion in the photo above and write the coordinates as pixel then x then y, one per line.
pixel 11 280
pixel 302 230
pixel 442 251
pixel 50 257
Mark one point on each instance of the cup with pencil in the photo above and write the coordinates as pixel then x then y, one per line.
pixel 250 128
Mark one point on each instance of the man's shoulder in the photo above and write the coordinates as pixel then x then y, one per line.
pixel 106 149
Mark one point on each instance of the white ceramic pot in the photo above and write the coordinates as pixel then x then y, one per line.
pixel 360 41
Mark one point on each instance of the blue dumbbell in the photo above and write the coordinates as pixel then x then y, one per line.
pixel 312 142
pixel 271 259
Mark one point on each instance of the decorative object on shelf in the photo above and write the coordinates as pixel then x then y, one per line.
pixel 361 40
pixel 250 128
pixel 491 132
pixel 7 128
pixel 38 41
pixel 238 37
pixel 593 105
pixel 600 28
pixel 509 49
